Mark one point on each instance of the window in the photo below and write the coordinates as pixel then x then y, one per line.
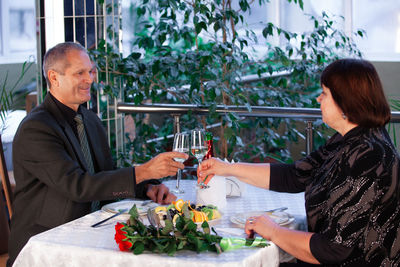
pixel 17 31
pixel 379 18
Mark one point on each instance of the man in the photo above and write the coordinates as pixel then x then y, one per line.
pixel 60 169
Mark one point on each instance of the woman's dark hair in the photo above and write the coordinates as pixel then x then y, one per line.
pixel 357 90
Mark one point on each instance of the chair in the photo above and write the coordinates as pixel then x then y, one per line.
pixel 5 206
pixel 5 181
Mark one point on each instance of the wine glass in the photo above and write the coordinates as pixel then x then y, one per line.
pixel 199 150
pixel 181 144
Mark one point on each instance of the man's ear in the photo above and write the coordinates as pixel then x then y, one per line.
pixel 53 77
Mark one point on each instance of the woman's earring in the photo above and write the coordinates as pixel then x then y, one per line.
pixel 344 116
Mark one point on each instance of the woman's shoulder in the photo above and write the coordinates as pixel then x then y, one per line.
pixel 376 140
pixel 370 139
pixel 371 150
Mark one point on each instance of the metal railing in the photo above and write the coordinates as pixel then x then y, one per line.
pixel 176 110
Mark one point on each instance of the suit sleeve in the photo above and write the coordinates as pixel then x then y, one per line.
pixel 46 153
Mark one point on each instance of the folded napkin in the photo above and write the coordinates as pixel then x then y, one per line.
pixel 214 195
pixel 234 187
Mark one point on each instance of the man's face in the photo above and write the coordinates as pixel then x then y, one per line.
pixel 73 87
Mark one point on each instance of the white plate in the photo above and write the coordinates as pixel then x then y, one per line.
pixel 128 204
pixel 281 218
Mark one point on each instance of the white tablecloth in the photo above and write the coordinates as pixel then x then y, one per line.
pixel 78 244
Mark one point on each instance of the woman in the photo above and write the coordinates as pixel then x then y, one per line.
pixel 351 184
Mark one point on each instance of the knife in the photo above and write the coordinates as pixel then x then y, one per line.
pixel 153 218
pixel 115 215
pixel 277 209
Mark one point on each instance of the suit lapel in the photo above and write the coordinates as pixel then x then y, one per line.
pixel 52 107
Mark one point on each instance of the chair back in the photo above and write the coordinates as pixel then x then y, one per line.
pixel 5 181
pixel 4 227
pixel 5 206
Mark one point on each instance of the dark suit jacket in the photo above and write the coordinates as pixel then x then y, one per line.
pixel 53 185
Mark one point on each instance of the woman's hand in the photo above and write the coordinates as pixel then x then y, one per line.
pixel 262 225
pixel 210 167
pixel 296 243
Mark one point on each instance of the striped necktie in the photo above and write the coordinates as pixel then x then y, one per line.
pixel 85 150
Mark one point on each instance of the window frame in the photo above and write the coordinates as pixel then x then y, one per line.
pixel 6 55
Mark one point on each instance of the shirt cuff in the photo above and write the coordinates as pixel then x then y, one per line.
pixel 141 188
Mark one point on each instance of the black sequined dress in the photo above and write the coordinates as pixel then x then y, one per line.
pixel 352 198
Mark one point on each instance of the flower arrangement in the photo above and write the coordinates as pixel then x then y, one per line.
pixel 136 237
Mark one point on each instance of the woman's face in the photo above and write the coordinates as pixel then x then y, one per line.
pixel 331 113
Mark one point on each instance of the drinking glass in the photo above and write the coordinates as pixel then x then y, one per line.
pixel 181 144
pixel 199 150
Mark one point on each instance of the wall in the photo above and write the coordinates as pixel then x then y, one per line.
pixel 390 76
pixel 14 71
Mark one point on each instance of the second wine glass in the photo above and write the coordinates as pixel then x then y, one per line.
pixel 181 144
pixel 199 149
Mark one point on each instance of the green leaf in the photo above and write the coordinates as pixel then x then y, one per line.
pixel 206 227
pixel 228 133
pixel 169 227
pixel 138 248
pixel 268 30
pixel 171 248
pixel 134 212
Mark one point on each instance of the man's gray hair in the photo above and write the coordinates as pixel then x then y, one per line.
pixel 56 58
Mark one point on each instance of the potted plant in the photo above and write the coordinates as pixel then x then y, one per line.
pixel 193 52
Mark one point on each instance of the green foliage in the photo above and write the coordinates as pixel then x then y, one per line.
pixel 183 236
pixel 7 91
pixel 194 52
pixel 170 239
pixel 395 105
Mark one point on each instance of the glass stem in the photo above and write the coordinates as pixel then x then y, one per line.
pixel 178 179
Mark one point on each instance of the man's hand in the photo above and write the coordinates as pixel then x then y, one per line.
pixel 160 194
pixel 160 166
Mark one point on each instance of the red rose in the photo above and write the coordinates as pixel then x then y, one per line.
pixel 125 245
pixel 119 226
pixel 121 239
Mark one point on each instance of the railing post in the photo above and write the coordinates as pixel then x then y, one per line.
pixel 177 125
pixel 309 137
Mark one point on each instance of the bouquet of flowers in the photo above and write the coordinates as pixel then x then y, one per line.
pixel 136 237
